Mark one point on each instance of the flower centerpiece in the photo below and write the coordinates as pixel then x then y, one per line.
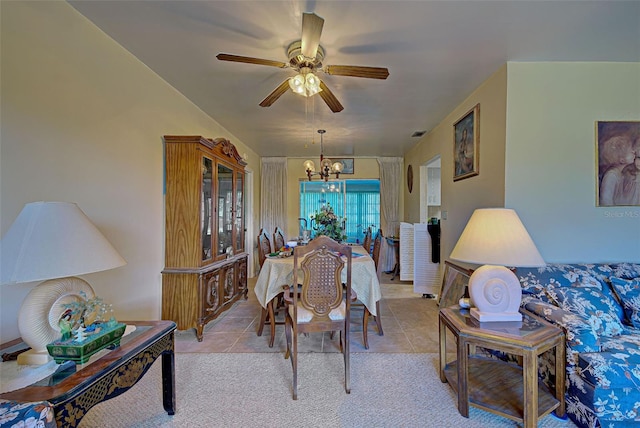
pixel 329 224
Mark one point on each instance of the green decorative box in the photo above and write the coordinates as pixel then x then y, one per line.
pixel 80 352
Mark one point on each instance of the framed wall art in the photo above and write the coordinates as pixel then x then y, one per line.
pixel 466 140
pixel 618 163
pixel 454 284
pixel 347 163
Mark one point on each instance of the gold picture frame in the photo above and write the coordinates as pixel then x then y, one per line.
pixel 454 284
pixel 347 164
pixel 466 145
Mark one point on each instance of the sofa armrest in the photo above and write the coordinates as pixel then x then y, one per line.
pixel 580 336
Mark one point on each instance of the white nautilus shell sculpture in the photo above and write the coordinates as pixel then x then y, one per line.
pixel 495 294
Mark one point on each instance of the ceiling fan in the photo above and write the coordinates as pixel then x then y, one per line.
pixel 305 57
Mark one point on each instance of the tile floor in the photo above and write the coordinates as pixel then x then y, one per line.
pixel 409 322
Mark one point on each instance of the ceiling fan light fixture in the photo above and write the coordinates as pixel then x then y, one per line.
pixel 306 84
pixel 296 83
pixel 312 82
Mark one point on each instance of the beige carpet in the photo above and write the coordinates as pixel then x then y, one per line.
pixel 254 390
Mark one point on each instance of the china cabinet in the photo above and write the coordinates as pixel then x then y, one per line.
pixel 205 260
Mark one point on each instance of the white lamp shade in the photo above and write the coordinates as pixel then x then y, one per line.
pixel 496 236
pixel 54 240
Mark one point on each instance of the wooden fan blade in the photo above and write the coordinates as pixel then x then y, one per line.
pixel 311 31
pixel 250 60
pixel 277 93
pixel 329 98
pixel 357 71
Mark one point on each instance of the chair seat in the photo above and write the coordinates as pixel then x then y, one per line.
pixel 305 315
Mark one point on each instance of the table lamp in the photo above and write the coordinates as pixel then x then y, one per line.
pixel 51 242
pixel 496 238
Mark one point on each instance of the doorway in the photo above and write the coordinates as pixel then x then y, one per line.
pixel 430 190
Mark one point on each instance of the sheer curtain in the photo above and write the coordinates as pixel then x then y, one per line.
pixel 390 178
pixel 273 194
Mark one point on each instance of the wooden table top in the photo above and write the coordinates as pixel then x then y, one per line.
pixel 529 332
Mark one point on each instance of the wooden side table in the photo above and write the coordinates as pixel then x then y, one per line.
pixel 496 386
pixel 74 390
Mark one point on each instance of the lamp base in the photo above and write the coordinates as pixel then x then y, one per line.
pixel 495 316
pixel 495 294
pixel 34 358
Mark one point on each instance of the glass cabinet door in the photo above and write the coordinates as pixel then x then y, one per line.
pixel 225 210
pixel 239 213
pixel 206 209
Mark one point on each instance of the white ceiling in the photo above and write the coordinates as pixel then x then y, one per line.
pixel 437 52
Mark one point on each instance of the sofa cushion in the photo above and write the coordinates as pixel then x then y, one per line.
pixel 610 370
pixel 628 291
pixel 628 343
pixel 600 310
pixel 625 270
pixel 535 280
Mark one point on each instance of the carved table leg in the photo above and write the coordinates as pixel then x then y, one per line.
pixel 169 382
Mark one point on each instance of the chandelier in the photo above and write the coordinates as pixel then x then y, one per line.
pixel 327 166
pixel 306 83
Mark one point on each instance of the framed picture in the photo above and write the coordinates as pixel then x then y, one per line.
pixel 347 164
pixel 454 284
pixel 466 140
pixel 618 163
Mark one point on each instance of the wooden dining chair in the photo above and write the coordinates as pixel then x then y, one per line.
pixel 377 243
pixel 264 246
pixel 268 314
pixel 367 240
pixel 278 239
pixel 320 304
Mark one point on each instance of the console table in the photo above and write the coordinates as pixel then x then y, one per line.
pixel 74 389
pixel 499 387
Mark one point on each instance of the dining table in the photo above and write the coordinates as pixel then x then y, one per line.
pixel 277 272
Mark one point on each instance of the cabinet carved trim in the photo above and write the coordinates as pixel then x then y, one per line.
pixel 205 258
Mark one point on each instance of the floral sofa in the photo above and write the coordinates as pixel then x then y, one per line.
pixel 598 306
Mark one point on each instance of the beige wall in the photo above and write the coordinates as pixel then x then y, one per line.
pixel 460 198
pixel 82 121
pixel 551 157
pixel 539 158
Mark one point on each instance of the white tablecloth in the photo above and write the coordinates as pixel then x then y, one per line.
pixel 276 272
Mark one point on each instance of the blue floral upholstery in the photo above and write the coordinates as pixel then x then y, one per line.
pixel 17 414
pixel 598 306
pixel 628 291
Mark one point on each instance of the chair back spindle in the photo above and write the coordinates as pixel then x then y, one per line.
pixel 264 246
pixel 278 239
pixel 367 240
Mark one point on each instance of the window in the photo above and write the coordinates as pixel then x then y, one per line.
pixel 357 200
